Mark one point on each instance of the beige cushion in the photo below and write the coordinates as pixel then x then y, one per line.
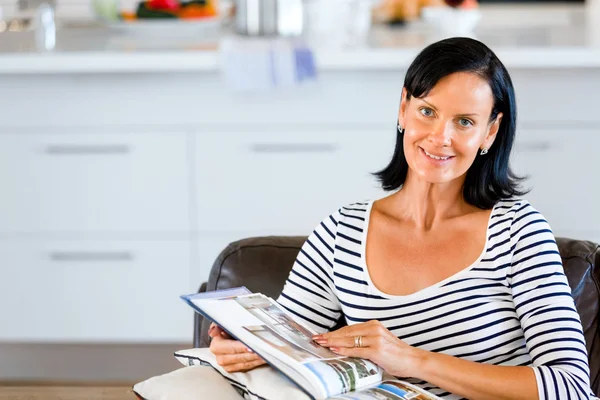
pixel 191 383
pixel 260 383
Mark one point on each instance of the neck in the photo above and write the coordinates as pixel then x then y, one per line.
pixel 428 204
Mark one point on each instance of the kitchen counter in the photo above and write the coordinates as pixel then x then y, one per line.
pixel 529 36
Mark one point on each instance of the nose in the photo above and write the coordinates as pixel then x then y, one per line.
pixel 441 134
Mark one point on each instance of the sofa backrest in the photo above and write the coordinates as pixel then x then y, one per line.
pixel 262 264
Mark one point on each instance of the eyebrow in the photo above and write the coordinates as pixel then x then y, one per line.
pixel 458 115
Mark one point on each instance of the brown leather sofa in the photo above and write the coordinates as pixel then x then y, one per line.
pixel 262 264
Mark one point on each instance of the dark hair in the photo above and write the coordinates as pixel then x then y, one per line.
pixel 489 179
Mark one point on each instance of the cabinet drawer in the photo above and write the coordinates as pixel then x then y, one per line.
pixel 564 171
pixel 93 291
pixel 93 182
pixel 285 182
pixel 537 105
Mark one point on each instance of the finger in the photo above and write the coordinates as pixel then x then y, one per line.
pixel 220 345
pixel 215 330
pixel 225 335
pixel 242 367
pixel 322 338
pixel 349 341
pixel 371 328
pixel 362 352
pixel 233 359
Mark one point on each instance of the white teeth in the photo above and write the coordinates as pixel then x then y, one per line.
pixel 435 157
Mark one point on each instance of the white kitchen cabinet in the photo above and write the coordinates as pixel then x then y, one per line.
pixel 94 182
pixel 110 210
pixel 557 97
pixel 563 177
pixel 271 183
pixel 97 291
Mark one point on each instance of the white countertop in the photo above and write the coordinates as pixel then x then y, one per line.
pixel 523 37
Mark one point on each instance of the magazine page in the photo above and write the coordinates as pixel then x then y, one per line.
pixel 337 374
pixel 389 390
pixel 261 324
pixel 233 318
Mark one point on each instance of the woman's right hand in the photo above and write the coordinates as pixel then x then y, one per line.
pixel 231 354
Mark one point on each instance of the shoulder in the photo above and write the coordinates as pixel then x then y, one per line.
pixel 355 211
pixel 521 222
pixel 348 217
pixel 515 211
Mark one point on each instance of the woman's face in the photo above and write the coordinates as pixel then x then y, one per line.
pixel 446 129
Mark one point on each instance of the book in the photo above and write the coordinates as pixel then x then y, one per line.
pixel 266 328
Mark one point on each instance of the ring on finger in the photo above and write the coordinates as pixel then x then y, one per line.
pixel 358 341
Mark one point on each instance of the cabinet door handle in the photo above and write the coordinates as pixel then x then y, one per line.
pixel 293 147
pixel 538 146
pixel 85 149
pixel 90 256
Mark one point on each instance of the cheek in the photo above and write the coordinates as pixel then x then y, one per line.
pixel 416 131
pixel 468 142
pixel 410 138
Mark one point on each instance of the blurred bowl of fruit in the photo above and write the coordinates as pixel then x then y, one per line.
pixel 163 17
pixel 457 18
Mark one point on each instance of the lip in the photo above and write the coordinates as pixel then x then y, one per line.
pixel 437 162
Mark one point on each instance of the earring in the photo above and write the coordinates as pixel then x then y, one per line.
pixel 400 128
pixel 484 151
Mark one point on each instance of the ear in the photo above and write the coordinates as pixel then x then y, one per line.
pixel 492 132
pixel 403 105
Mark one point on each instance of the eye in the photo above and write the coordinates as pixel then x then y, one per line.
pixel 465 123
pixel 426 112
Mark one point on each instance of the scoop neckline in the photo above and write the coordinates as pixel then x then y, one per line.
pixel 425 290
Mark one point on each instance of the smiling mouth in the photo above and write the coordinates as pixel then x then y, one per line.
pixel 434 157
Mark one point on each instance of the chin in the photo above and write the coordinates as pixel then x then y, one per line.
pixel 437 178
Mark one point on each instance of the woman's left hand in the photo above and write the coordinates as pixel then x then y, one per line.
pixel 378 344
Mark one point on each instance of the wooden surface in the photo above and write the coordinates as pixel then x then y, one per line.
pixel 66 392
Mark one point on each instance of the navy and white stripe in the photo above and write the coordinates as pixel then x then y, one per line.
pixel 512 307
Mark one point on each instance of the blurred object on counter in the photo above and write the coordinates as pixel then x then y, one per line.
pixel 179 19
pixel 452 21
pixel 106 9
pixel 45 28
pixel 337 23
pixel 463 4
pixel 265 64
pixel 186 9
pixel 269 17
pixel 109 10
pixel 165 29
pixel 400 11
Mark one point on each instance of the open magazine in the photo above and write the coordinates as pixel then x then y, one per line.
pixel 271 332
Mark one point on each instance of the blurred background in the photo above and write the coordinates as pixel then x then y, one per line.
pixel 139 138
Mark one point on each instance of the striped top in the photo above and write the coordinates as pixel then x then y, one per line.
pixel 513 306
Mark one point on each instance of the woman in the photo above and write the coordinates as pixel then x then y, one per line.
pixel 449 280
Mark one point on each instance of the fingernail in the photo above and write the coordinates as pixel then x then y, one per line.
pixel 224 334
pixel 321 340
pixel 249 350
pixel 335 349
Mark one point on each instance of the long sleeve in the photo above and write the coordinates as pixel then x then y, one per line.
pixel 546 309
pixel 308 293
